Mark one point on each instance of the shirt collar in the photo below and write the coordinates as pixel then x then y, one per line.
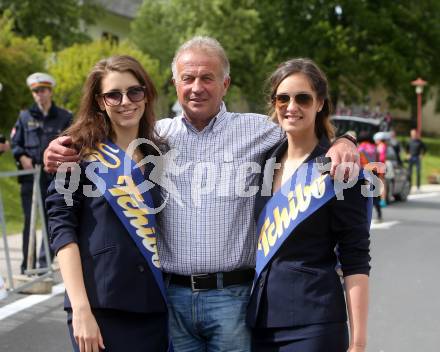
pixel 213 125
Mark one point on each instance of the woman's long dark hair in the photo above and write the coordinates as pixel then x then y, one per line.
pixel 92 126
pixel 319 84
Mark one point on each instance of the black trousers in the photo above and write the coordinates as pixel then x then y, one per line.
pixel 332 337
pixel 26 190
pixel 127 331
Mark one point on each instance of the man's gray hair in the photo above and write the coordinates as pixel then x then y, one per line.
pixel 203 43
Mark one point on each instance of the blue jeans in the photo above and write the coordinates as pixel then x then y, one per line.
pixel 209 321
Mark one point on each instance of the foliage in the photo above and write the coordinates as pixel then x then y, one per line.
pixel 10 193
pixel 60 20
pixel 361 45
pixel 19 57
pixel 71 66
pixel 161 26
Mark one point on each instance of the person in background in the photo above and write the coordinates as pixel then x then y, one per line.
pixel 394 142
pixel 368 154
pixel 415 150
pixel 388 118
pixel 35 128
pixel 381 148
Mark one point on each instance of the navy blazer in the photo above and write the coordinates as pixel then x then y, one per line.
pixel 116 275
pixel 300 286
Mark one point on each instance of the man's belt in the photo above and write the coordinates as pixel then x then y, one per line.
pixel 201 282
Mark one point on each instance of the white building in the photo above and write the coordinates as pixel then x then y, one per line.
pixel 114 23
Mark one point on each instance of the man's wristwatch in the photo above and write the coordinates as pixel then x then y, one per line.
pixel 350 137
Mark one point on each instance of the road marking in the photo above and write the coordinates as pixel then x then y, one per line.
pixel 423 195
pixel 28 302
pixel 383 225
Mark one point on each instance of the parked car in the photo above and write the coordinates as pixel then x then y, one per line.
pixel 398 184
pixel 357 124
pixel 397 176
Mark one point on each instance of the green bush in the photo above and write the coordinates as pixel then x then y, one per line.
pixel 71 66
pixel 10 193
pixel 433 146
pixel 19 57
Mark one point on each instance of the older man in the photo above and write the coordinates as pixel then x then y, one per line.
pixel 208 235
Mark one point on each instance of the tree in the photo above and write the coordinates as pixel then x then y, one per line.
pixel 161 26
pixel 60 20
pixel 19 57
pixel 361 45
pixel 71 66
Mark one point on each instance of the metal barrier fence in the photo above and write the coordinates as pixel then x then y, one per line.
pixel 34 275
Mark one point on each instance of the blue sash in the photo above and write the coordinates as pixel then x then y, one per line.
pixel 303 194
pixel 131 207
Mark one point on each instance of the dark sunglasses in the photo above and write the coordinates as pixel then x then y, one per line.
pixel 304 100
pixel 114 98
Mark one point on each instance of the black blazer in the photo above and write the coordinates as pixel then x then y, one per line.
pixel 116 274
pixel 300 286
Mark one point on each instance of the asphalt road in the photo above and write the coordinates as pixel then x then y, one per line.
pixel 404 296
pixel 405 285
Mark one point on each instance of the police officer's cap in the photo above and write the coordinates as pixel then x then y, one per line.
pixel 40 79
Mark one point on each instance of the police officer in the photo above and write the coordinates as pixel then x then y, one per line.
pixel 35 128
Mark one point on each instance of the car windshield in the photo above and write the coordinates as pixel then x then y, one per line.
pixel 356 124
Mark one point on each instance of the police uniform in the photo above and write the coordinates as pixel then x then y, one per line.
pixel 31 135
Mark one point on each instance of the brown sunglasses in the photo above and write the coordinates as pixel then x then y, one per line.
pixel 114 98
pixel 304 100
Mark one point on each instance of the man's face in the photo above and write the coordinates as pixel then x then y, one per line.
pixel 200 86
pixel 42 95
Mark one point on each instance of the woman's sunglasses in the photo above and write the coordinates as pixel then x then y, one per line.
pixel 114 98
pixel 304 100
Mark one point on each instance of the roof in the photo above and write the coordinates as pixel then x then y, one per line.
pixel 126 8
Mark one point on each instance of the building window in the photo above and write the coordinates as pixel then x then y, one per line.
pixel 112 38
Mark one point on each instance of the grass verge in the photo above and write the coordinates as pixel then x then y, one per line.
pixel 10 193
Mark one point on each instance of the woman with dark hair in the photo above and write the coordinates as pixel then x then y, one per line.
pixel 297 302
pixel 114 294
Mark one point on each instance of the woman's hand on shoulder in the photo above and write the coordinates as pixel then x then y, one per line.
pixel 86 331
